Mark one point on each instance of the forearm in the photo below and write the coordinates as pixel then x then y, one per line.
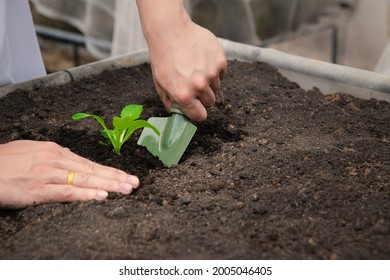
pixel 159 16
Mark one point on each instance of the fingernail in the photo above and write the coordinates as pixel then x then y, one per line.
pixel 134 181
pixel 126 188
pixel 101 195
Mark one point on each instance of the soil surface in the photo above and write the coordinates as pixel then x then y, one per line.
pixel 275 172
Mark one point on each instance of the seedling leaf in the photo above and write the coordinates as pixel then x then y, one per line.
pixel 132 110
pixel 79 116
pixel 123 126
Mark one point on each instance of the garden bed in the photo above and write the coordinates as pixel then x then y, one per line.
pixel 275 172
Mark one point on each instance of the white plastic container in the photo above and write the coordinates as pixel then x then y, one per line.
pixel 308 73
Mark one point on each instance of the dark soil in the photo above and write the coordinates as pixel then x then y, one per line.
pixel 275 172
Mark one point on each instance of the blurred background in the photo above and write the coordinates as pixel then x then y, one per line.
pixel 348 32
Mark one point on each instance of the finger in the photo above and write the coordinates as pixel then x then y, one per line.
pixel 80 164
pixel 215 85
pixel 222 64
pixel 223 71
pixel 91 181
pixel 206 97
pixel 222 74
pixel 166 100
pixel 69 193
pixel 101 171
pixel 88 174
pixel 200 88
pixel 195 111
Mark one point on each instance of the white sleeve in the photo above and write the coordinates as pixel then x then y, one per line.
pixel 128 36
pixel 20 56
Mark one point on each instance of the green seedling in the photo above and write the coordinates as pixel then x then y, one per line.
pixel 124 126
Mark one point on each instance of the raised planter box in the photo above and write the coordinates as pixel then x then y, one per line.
pixel 275 172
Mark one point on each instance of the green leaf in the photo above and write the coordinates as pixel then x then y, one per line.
pixel 132 110
pixel 79 116
pixel 105 133
pixel 109 134
pixel 140 124
pixel 121 123
pixel 120 127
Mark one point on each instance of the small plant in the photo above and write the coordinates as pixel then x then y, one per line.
pixel 124 126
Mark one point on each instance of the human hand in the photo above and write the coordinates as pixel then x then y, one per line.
pixel 188 71
pixel 188 62
pixel 33 172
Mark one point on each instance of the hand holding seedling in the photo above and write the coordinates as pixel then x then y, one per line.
pixel 124 126
pixel 34 172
